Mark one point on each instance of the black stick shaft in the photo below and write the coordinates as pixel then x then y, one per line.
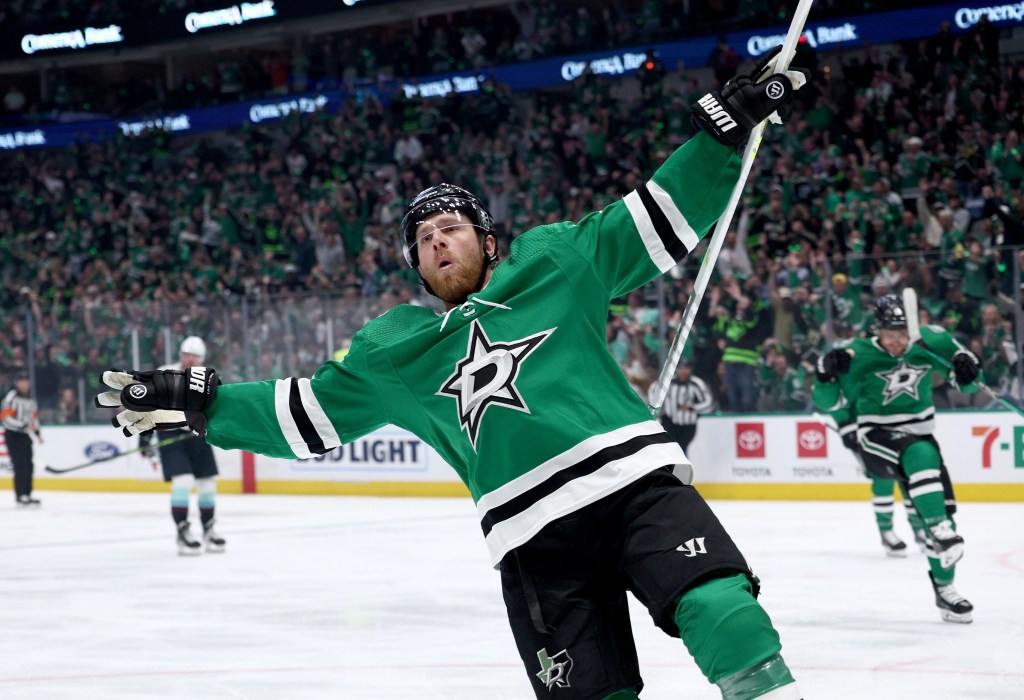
pixel 161 443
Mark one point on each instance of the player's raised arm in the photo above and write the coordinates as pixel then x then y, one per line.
pixel 661 221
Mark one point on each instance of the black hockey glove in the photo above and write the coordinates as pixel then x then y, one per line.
pixel 162 398
pixel 747 100
pixel 966 368
pixel 832 364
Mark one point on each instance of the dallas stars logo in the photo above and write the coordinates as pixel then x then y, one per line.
pixel 554 670
pixel 902 379
pixel 486 376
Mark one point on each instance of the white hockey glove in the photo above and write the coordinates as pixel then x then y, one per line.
pixel 160 399
pixel 747 100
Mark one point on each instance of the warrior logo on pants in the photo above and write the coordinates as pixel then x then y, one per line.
pixel 554 670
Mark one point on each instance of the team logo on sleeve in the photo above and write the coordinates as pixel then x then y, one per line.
pixel 487 375
pixel 902 379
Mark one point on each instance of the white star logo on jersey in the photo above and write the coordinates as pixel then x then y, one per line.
pixel 902 379
pixel 486 376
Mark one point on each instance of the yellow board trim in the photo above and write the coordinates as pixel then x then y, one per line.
pixel 966 493
pixel 128 485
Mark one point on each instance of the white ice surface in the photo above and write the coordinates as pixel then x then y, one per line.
pixel 329 597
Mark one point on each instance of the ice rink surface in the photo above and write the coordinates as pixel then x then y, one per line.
pixel 330 597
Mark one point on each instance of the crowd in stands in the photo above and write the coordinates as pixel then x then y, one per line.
pixel 900 167
pixel 475 38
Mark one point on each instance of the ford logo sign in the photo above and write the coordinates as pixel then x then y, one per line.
pixel 101 450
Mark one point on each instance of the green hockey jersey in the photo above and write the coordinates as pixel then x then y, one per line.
pixel 892 393
pixel 516 388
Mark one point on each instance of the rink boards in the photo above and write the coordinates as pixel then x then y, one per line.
pixel 791 457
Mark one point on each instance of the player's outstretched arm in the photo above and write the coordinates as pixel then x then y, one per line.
pixel 962 365
pixel 293 418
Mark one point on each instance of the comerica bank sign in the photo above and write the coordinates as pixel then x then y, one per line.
pixel 75 39
pixel 967 17
pixel 236 14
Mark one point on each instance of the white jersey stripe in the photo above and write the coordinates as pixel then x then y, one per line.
pixel 645 227
pixel 925 489
pixel 680 225
pixel 569 458
pixel 509 534
pixel 317 416
pixel 924 475
pixel 282 392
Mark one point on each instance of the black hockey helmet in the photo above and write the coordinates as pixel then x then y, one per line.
pixel 889 312
pixel 443 197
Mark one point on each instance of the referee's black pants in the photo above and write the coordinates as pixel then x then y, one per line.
pixel 19 447
pixel 683 434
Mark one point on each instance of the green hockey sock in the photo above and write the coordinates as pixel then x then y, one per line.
pixel 923 468
pixel 912 515
pixel 724 628
pixel 622 695
pixel 883 502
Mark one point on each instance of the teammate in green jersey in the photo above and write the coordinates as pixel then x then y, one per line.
pixel 887 382
pixel 883 489
pixel 515 387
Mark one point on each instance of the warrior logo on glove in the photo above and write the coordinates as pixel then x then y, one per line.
pixel 775 90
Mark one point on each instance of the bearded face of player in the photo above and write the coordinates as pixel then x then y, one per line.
pixel 451 255
pixel 894 341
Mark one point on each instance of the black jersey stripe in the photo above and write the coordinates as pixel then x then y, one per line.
pixel 895 426
pixel 584 467
pixel 306 429
pixel 662 226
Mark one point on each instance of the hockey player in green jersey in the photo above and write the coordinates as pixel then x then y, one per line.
pixel 882 488
pixel 516 389
pixel 887 382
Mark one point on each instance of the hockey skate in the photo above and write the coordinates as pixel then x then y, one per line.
pixel 921 540
pixel 25 502
pixel 214 542
pixel 949 546
pixel 952 606
pixel 893 545
pixel 187 544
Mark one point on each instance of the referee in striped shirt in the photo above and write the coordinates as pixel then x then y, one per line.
pixel 688 397
pixel 20 416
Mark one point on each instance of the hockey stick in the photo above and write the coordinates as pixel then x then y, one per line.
pixel 675 351
pixel 824 421
pixel 914 330
pixel 161 443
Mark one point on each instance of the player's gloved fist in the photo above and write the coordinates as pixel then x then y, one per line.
pixel 160 398
pixel 966 368
pixel 832 364
pixel 747 100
